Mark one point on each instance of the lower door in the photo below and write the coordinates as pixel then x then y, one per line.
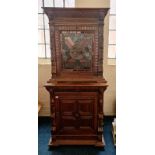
pixel 76 114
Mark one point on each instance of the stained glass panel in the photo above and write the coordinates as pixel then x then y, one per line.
pixel 76 50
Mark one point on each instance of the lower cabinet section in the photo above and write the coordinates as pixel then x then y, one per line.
pixel 77 117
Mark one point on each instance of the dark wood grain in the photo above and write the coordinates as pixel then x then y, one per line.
pixel 76 96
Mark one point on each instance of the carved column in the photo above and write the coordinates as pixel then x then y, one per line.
pixel 53 50
pixel 53 114
pixel 100 48
pixel 100 114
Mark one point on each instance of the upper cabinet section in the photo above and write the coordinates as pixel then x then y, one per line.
pixel 76 40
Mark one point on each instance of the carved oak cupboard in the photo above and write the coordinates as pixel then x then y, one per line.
pixel 77 84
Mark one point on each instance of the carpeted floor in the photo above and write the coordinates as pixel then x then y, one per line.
pixel 44 135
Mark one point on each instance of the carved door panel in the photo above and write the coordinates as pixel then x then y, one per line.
pixel 77 112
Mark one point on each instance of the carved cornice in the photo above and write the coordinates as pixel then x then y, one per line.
pixel 98 13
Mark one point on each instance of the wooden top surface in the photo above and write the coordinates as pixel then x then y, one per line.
pixel 76 82
pixel 76 85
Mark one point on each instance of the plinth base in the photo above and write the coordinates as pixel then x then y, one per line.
pixel 76 142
